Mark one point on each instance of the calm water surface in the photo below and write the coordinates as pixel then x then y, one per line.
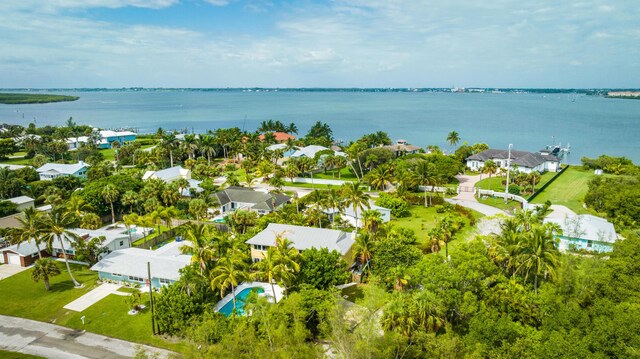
pixel 592 125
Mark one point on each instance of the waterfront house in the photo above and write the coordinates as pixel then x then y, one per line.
pixel 234 198
pixel 585 232
pixel 50 171
pixel 401 148
pixel 130 265
pixel 26 253
pixel 171 174
pixel 281 137
pixel 526 162
pixel 301 237
pixel 107 138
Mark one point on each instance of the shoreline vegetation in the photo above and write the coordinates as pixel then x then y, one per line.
pixel 26 98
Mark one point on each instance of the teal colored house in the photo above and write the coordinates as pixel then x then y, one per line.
pixel 130 265
pixel 585 232
pixel 107 138
pixel 49 171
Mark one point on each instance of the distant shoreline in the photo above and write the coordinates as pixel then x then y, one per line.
pixel 23 98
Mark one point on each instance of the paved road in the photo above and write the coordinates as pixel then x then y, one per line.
pixel 53 341
pixel 468 182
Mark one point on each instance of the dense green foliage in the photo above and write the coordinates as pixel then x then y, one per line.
pixel 618 198
pixel 614 165
pixel 24 98
pixel 322 269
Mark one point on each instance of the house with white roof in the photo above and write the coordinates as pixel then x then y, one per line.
pixel 22 202
pixel 130 265
pixel 175 173
pixel 311 151
pixel 301 237
pixel 50 171
pixel 26 253
pixel 585 232
pixel 526 162
pixel 107 137
pixel 349 214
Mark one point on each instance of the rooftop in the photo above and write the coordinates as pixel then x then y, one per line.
pixel 585 226
pixel 304 237
pixel 63 168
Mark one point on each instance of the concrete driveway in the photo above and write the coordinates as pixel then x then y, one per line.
pixel 91 298
pixel 7 270
pixel 467 182
pixel 53 341
pixel 477 206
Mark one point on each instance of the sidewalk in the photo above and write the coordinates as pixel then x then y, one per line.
pixel 92 297
pixel 52 341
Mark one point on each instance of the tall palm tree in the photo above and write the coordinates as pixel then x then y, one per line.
pixel 538 255
pixel 111 194
pixel 207 146
pixel 44 269
pixel 453 138
pixel 229 272
pixel 190 145
pixel 380 176
pixel 355 197
pixel 30 229
pixel 490 168
pixel 169 142
pixel 425 175
pixel 363 250
pixel 287 260
pixel 334 201
pixel 266 269
pixel 200 246
pixel 78 206
pixel 129 220
pixel 372 219
pixel 55 226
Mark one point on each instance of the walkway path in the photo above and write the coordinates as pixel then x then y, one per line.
pixel 477 206
pixel 93 297
pixel 7 270
pixel 468 182
pixel 53 341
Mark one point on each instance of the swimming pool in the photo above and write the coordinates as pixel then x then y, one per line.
pixel 227 309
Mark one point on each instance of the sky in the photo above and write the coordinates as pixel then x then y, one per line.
pixel 314 43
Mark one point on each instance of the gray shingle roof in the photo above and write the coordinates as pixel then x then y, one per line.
pixel 261 200
pixel 62 168
pixel 519 158
pixel 585 226
pixel 305 237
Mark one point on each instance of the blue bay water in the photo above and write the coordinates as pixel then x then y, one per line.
pixel 592 125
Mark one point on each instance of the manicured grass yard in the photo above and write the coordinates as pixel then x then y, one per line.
pixel 424 219
pixel 13 355
pixel 22 297
pixel 499 203
pixel 345 175
pixel 495 182
pixel 568 190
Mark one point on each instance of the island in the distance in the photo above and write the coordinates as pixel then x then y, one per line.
pixel 26 98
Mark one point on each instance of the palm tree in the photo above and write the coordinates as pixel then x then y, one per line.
pixel 190 145
pixel 354 196
pixel 334 201
pixel 489 168
pixel 110 194
pixel 78 206
pixel 207 146
pixel 266 269
pixel 200 247
pixel 229 271
pixel 425 176
pixel 363 250
pixel 169 142
pixel 44 269
pixel 380 176
pixel 129 220
pixel 453 138
pixel 55 226
pixel 287 260
pixel 30 228
pixel 372 219
pixel 538 254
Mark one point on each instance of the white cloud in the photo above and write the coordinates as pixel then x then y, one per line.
pixel 218 2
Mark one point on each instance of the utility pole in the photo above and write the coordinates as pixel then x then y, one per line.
pixel 506 190
pixel 153 326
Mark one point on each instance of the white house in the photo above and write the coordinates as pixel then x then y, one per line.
pixel 526 162
pixel 311 151
pixel 301 237
pixel 235 198
pixel 50 171
pixel 171 174
pixel 349 214
pixel 130 265
pixel 585 232
pixel 25 254
pixel 401 147
pixel 107 137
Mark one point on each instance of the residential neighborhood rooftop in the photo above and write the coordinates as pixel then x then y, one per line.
pixel 305 237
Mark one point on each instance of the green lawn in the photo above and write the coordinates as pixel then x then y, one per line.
pixel 353 293
pixel 110 154
pixel 151 236
pixel 17 161
pixel 568 190
pixel 499 203
pixel 495 182
pixel 109 317
pixel 22 297
pixel 309 185
pixel 424 218
pixel 345 175
pixel 13 355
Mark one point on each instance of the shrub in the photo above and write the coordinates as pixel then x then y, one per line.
pixel 399 207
